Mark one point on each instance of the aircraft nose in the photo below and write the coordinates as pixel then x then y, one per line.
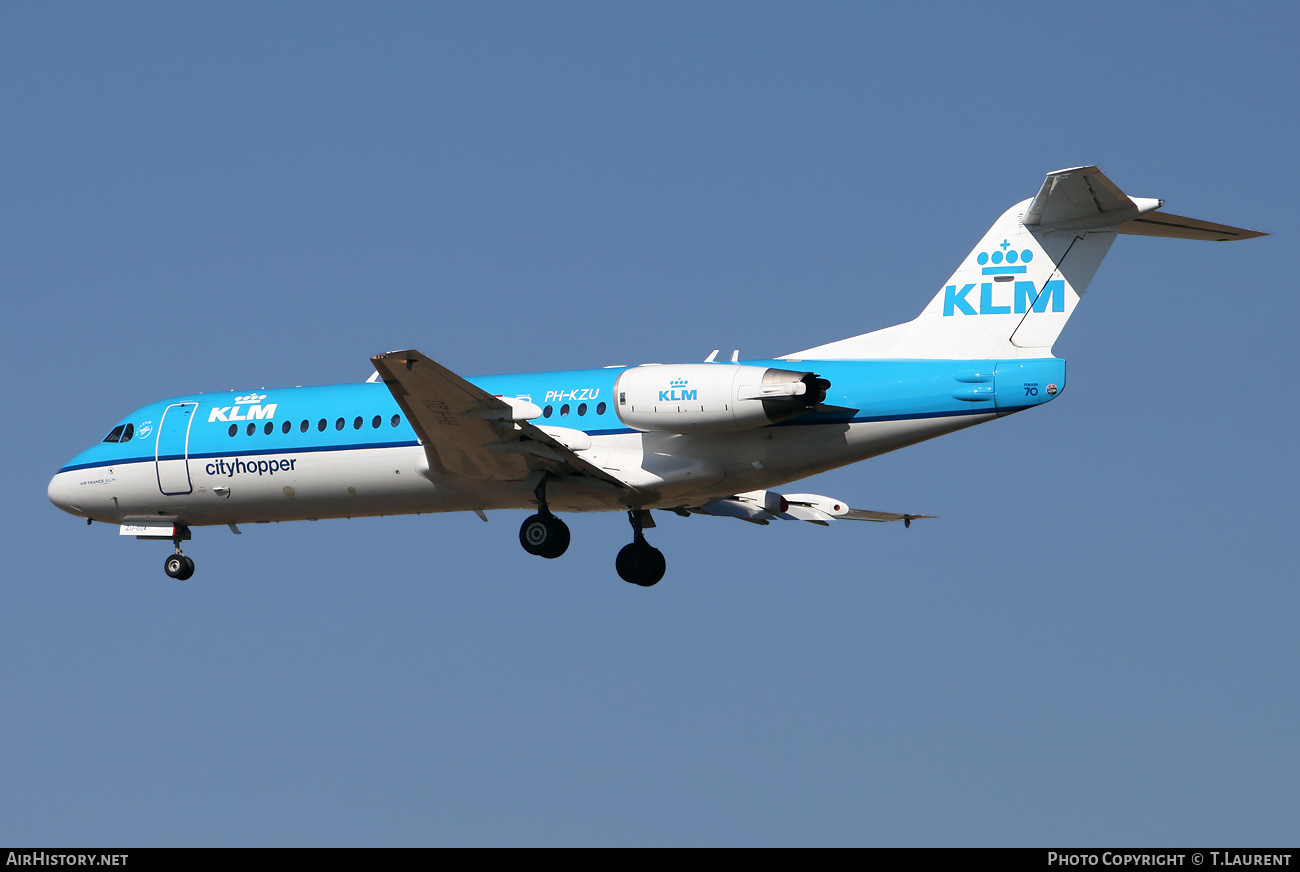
pixel 60 493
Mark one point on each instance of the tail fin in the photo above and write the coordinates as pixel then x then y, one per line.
pixel 1012 295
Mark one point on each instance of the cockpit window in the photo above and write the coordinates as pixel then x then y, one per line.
pixel 128 432
pixel 116 435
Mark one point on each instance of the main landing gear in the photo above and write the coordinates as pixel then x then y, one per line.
pixel 640 562
pixel 544 534
pixel 177 565
pixel 547 536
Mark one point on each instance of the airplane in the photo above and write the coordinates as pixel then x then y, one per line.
pixel 709 438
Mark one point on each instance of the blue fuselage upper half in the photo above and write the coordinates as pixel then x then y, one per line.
pixel 364 415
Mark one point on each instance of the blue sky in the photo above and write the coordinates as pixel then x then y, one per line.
pixel 1095 644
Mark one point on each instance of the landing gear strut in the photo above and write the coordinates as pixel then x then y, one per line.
pixel 544 534
pixel 177 565
pixel 640 562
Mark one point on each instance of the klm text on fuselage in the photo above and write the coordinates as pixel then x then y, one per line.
pixel 233 413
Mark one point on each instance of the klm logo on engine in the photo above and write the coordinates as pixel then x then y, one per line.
pixel 677 392
pixel 1007 301
pixel 255 410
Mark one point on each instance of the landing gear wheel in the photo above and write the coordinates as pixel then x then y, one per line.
pixel 640 563
pixel 544 535
pixel 178 566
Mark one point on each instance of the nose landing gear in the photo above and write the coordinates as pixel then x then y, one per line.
pixel 177 565
pixel 639 562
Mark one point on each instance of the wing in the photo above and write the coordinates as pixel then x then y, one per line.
pixel 468 433
pixel 763 507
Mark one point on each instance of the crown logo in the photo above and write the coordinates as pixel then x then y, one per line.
pixel 1005 259
pixel 251 398
pixel 1004 253
pixel 678 383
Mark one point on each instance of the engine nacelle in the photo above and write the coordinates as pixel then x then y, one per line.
pixel 713 397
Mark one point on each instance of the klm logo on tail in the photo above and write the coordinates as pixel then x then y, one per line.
pixel 1004 297
pixel 1026 295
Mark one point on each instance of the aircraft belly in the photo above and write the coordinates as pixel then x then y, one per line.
pixel 670 469
pixel 773 456
pixel 869 439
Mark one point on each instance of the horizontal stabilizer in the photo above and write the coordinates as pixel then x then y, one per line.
pixel 1082 198
pixel 1178 227
pixel 868 515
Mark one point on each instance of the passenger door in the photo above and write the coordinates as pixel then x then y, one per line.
pixel 172 449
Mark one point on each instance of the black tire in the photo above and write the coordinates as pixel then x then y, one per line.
pixel 187 571
pixel 544 535
pixel 175 566
pixel 660 567
pixel 641 564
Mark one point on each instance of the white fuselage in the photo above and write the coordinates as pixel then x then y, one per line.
pixel 671 469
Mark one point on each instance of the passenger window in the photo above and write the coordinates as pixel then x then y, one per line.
pixel 356 425
pixel 600 410
pixel 252 428
pixel 128 432
pixel 397 419
pixel 284 428
pixel 268 428
pixel 234 428
pixel 304 425
pixel 116 434
pixel 321 425
pixel 375 423
pixel 564 411
pixel 546 413
pixel 582 408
